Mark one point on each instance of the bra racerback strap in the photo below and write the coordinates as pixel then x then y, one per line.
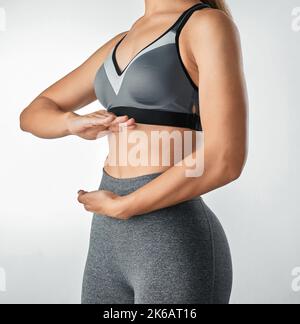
pixel 187 14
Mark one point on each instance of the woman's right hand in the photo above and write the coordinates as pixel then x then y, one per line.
pixel 97 124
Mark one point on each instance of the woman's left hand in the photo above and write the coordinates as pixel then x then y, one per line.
pixel 104 203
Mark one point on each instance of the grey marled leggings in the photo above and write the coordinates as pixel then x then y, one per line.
pixel 177 255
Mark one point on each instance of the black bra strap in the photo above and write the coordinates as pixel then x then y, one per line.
pixel 187 14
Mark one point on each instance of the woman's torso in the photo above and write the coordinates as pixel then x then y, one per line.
pixel 157 90
pixel 147 149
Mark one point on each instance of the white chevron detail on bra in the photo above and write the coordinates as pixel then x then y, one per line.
pixel 117 80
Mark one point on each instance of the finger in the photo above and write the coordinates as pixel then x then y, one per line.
pixel 104 113
pixel 108 120
pixel 130 124
pixel 100 121
pixel 125 123
pixel 131 127
pixel 101 112
pixel 120 119
pixel 82 196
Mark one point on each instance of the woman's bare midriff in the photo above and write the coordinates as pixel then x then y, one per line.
pixel 147 149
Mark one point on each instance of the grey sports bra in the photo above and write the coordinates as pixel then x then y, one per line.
pixel 155 87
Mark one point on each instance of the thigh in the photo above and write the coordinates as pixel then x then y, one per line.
pixel 176 284
pixel 103 280
pixel 105 287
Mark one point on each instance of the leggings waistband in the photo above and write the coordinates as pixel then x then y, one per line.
pixel 133 179
pixel 124 186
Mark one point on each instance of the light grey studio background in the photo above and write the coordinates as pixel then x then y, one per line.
pixel 44 232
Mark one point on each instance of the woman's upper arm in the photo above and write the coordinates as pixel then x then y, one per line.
pixel 75 90
pixel 215 46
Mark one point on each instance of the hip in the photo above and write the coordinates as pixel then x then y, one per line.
pixel 189 223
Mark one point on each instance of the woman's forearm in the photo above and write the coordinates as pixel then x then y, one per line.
pixel 173 186
pixel 43 118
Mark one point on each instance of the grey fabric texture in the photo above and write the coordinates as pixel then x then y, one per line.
pixel 176 255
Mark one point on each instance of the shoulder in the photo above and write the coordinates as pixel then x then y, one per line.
pixel 112 41
pixel 104 49
pixel 211 23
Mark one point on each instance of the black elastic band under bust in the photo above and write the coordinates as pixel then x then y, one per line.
pixel 159 117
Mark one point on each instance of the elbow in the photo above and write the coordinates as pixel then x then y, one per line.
pixel 26 120
pixel 23 120
pixel 234 173
pixel 231 171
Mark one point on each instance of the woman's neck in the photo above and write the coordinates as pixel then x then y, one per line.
pixel 160 6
